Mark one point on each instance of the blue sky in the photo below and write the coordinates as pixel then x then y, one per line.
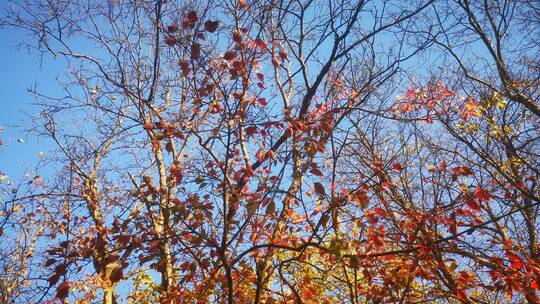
pixel 20 71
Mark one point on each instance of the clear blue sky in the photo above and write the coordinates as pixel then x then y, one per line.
pixel 20 71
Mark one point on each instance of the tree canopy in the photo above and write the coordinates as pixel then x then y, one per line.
pixel 278 151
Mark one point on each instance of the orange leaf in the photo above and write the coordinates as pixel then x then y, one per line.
pixel 462 170
pixel 360 197
pixel 271 155
pixel 261 155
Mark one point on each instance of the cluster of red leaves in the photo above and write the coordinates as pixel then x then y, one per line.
pixel 429 99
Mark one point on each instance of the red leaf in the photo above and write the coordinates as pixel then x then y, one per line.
pixel 170 41
pixel 377 241
pixel 61 269
pixel 186 23
pixel 262 101
pixel 261 45
pixel 251 130
pixel 282 55
pixel 473 205
pixel 397 167
pixel 184 265
pixel 378 165
pixel 242 3
pixel 271 208
pixel 482 195
pixel 379 211
pixel 50 262
pixel 62 291
pixel 192 16
pixel 211 26
pixel 53 279
pixel 316 172
pixel 229 55
pixel 237 37
pixel 361 197
pixel 515 260
pixel 248 170
pixel 442 165
pixel 319 189
pixel 116 275
pixel 289 132
pixel 453 228
pixel 195 51
pixel 149 126
pixel 184 65
pixel 271 155
pixel 172 28
pixel 534 284
pixel 461 294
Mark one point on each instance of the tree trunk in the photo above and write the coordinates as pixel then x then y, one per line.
pixel 108 296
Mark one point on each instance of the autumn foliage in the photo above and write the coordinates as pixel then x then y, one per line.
pixel 283 152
